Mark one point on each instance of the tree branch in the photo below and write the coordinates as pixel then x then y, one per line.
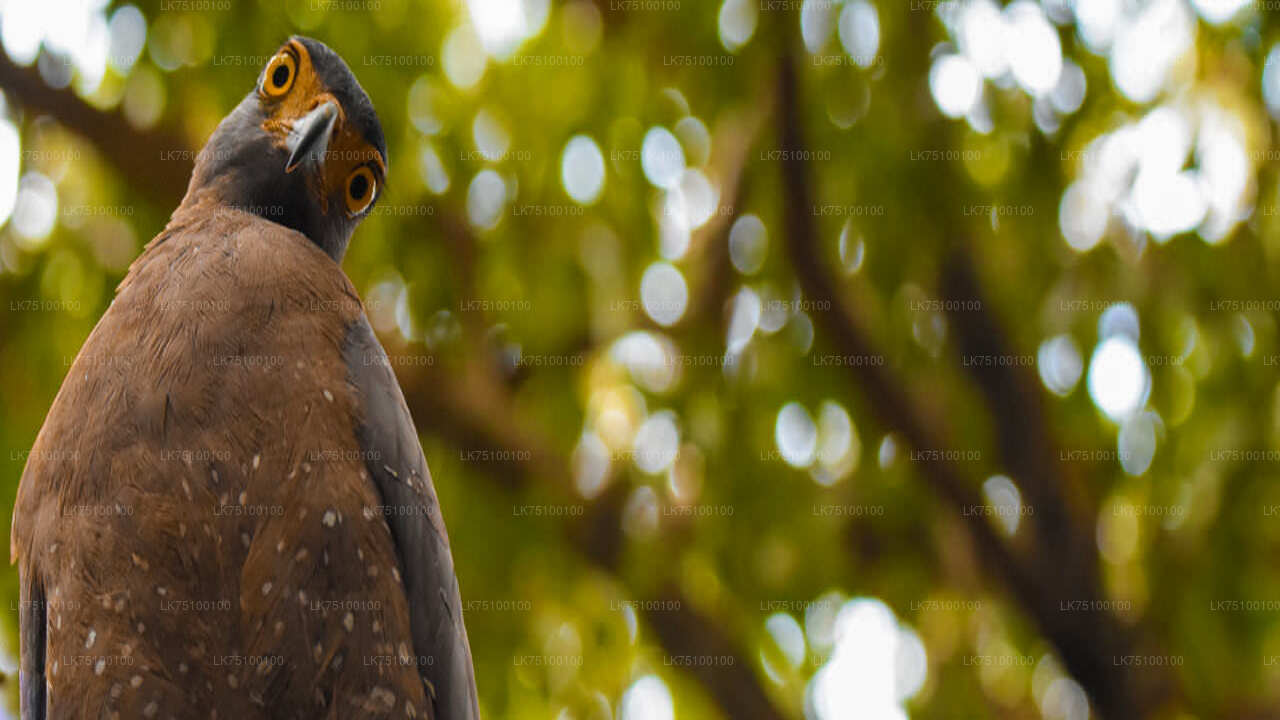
pixel 1086 645
pixel 1064 543
pixel 710 271
pixel 157 163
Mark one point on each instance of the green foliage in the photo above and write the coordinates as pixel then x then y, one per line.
pixel 520 324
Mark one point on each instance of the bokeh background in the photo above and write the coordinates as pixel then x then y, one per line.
pixel 774 358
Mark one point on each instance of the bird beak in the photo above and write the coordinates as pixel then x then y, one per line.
pixel 309 136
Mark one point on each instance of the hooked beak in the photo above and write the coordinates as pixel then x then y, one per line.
pixel 309 136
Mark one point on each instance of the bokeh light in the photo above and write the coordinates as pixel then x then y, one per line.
pixel 956 85
pixel 1033 51
pixel 128 33
pixel 859 31
pixel 657 442
pixel 489 135
pixel 22 29
pixel 796 435
pixel 486 199
pixel 876 665
pixel 1118 379
pixel 10 166
pixel 463 57
pixel 582 169
pixel 590 465
pixel 748 244
pixel 647 699
pixel 1220 11
pixel 650 358
pixel 502 25
pixel 1006 501
pixel 737 23
pixel 817 22
pixel 744 320
pixel 1137 442
pixel 788 636
pixel 35 210
pixel 662 158
pixel 1059 363
pixel 663 293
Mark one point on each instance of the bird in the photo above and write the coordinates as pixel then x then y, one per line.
pixel 227 512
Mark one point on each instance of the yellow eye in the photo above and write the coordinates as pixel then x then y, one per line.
pixel 361 187
pixel 279 76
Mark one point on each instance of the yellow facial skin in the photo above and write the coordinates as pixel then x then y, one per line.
pixel 290 89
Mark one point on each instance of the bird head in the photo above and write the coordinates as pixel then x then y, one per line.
pixel 303 149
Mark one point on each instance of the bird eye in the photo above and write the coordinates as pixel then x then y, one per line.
pixel 361 187
pixel 280 74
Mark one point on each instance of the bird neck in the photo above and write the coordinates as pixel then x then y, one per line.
pixel 231 191
pixel 240 168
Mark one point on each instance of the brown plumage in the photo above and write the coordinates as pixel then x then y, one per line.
pixel 227 513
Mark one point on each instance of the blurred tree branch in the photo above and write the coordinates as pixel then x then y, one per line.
pixel 734 137
pixel 883 389
pixel 1063 566
pixel 140 155
pixel 1063 537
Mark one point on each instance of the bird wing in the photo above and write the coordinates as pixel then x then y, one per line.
pixel 31 624
pixel 395 461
